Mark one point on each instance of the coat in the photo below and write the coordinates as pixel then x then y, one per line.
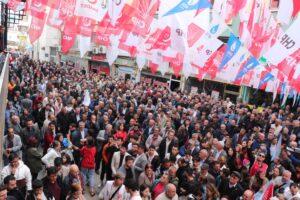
pixel 115 161
pixel 233 193
pixel 162 148
pixel 34 160
pixel 17 144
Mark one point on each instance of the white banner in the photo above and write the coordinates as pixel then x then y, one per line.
pixel 92 9
pixel 287 44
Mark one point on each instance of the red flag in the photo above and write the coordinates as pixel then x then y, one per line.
pixel 153 67
pixel 137 19
pixel 160 39
pixel 177 64
pixel 105 26
pixel 101 39
pixel 68 35
pixel 296 7
pixel 54 4
pixel 289 64
pixel 251 18
pixel 237 5
pixel 85 26
pixel 212 64
pixel 66 9
pixel 36 29
pixel 268 193
pixel 194 33
pixel 37 8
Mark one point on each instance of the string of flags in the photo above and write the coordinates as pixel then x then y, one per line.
pixel 183 35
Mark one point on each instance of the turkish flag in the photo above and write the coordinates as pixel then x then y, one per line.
pixel 68 35
pixel 36 29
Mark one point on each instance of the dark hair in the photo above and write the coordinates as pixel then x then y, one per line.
pixel 90 142
pixel 8 178
pixel 128 158
pixel 143 187
pixel 151 146
pixel 57 136
pixel 55 143
pixel 58 161
pixel 131 184
pixel 51 170
pixel 12 156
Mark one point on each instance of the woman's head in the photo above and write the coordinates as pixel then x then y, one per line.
pixel 145 191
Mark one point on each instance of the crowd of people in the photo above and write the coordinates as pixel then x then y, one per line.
pixel 64 126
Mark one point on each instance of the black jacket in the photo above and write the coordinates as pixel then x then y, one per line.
pixel 233 193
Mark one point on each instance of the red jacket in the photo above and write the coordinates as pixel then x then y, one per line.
pixel 88 157
pixel 48 140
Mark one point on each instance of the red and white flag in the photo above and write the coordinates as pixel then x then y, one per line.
pixel 36 29
pixel 66 9
pixel 68 35
pixel 37 8
pixel 54 20
pixel 53 4
pixel 15 5
pixel 92 9
pixel 85 26
pixel 114 9
pixel 288 9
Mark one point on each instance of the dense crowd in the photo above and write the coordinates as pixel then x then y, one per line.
pixel 64 126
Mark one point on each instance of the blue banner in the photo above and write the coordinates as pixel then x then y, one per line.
pixel 186 5
pixel 233 46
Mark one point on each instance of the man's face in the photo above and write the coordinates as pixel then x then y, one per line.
pixel 248 195
pixel 233 180
pixel 119 181
pixel 10 133
pixel 11 184
pixel 52 178
pixel 171 192
pixel 14 163
pixel 29 124
pixel 294 190
pixel 129 163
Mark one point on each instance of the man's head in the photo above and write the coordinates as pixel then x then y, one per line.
pixel 286 176
pixel 170 190
pixel 74 170
pixel 294 188
pixel 10 132
pixel 10 182
pixel 52 174
pixel 37 186
pixel 119 179
pixel 129 162
pixel 13 160
pixel 248 195
pixel 234 178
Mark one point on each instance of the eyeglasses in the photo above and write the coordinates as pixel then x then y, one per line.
pixel 262 155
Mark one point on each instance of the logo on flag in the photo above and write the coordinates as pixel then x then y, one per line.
pixel 186 5
pixel 249 65
pixel 233 47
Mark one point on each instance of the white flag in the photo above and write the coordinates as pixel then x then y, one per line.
pixel 87 98
pixel 114 9
pixel 84 44
pixel 287 44
pixel 92 9
pixel 285 11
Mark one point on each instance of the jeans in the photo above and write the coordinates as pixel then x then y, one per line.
pixel 88 174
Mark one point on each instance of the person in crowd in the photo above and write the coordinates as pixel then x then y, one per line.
pixel 38 192
pixel 133 189
pixel 11 144
pixel 12 190
pixel 34 158
pixel 53 185
pixel 169 193
pixel 114 190
pixel 52 153
pixel 209 148
pixel 21 172
pixel 88 153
